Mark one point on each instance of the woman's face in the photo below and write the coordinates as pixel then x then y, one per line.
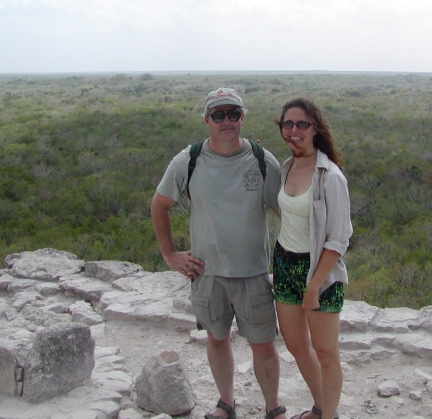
pixel 300 141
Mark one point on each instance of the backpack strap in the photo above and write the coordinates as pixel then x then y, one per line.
pixel 194 152
pixel 259 154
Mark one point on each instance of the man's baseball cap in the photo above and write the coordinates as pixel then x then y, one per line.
pixel 223 96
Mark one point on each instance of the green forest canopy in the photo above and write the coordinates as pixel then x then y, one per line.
pixel 81 155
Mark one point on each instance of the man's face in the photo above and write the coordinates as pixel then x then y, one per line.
pixel 226 130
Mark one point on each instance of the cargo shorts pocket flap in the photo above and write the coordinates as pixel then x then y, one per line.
pixel 201 310
pixel 262 299
pixel 263 310
pixel 199 301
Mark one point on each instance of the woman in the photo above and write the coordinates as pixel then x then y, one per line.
pixel 307 264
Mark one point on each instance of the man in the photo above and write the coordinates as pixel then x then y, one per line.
pixel 229 256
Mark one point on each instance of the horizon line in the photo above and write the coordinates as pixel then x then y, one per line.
pixel 215 72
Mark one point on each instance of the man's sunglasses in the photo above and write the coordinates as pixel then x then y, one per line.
pixel 301 125
pixel 219 116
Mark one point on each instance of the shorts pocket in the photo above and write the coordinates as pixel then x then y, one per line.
pixel 262 309
pixel 201 310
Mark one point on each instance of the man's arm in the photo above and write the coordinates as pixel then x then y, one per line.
pixel 182 262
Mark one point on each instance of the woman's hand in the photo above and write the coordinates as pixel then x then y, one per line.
pixel 310 299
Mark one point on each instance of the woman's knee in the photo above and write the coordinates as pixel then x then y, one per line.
pixel 328 357
pixel 297 350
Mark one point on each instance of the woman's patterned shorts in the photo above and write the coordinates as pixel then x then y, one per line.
pixel 289 281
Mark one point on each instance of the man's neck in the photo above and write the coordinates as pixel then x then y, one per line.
pixel 225 147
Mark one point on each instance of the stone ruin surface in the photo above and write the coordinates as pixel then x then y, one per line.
pixel 53 307
pixel 50 360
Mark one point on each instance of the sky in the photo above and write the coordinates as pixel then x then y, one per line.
pixel 52 36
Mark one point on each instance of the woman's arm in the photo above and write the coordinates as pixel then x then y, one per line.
pixel 326 263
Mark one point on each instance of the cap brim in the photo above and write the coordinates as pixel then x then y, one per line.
pixel 224 102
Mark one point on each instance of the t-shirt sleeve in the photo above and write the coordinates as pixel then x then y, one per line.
pixel 174 180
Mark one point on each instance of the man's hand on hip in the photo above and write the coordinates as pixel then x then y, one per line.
pixel 185 263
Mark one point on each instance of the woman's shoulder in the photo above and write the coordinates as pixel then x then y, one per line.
pixel 330 168
pixel 287 162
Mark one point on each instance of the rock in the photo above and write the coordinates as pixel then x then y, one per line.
pixel 388 388
pixel 18 285
pixel 163 385
pixel 21 299
pixel 129 414
pixel 83 287
pixel 41 316
pixel 199 336
pixel 44 264
pixel 84 313
pixel 61 358
pixel 109 271
pixel 14 351
pixel 46 289
pixel 10 374
pixel 5 280
pixel 358 316
pixel 57 307
pixel 415 395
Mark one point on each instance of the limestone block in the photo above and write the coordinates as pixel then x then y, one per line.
pixel 13 352
pixel 84 287
pixel 48 288
pixel 41 316
pixel 84 313
pixel 110 270
pixel 357 316
pixel 21 299
pixel 43 264
pixel 163 385
pixel 62 357
pixel 8 364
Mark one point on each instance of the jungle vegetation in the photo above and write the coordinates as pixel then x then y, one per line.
pixel 81 156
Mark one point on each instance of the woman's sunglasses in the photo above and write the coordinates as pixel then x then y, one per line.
pixel 301 125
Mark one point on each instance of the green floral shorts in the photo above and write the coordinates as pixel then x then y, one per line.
pixel 289 281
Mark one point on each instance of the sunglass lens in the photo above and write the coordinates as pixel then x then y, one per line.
pixel 303 125
pixel 218 116
pixel 287 124
pixel 234 116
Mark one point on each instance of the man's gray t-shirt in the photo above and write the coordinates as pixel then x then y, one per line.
pixel 228 225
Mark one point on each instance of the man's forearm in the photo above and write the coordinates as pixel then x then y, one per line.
pixel 160 213
pixel 162 229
